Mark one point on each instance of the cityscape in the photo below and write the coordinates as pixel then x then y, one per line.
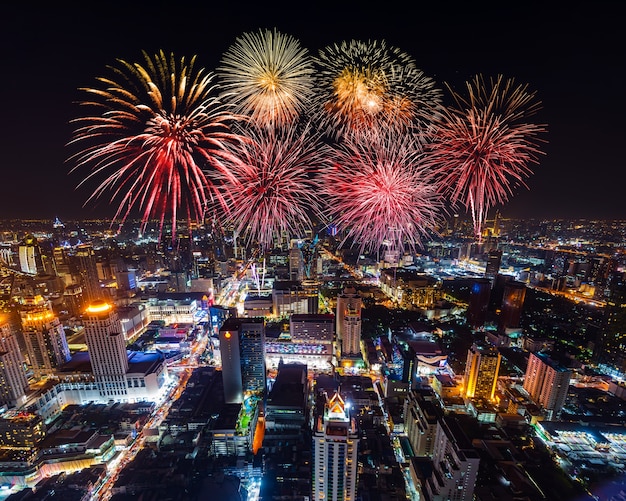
pixel 132 369
pixel 253 252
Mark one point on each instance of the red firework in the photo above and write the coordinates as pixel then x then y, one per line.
pixel 482 146
pixel 272 188
pixel 159 129
pixel 380 194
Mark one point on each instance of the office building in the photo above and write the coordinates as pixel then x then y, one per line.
pixel 44 336
pixel 13 382
pixel 512 303
pixel 422 413
pixel 231 361
pixel 107 349
pixel 252 348
pixel 30 256
pixel 492 268
pixel 348 317
pixel 85 265
pixel 335 447
pixel 547 383
pixel 292 297
pixel 478 303
pixel 481 371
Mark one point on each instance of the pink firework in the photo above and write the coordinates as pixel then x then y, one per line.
pixel 380 194
pixel 482 146
pixel 158 130
pixel 272 188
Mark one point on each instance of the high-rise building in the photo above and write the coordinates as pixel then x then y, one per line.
pixel 335 447
pixel 107 349
pixel 478 303
pixel 512 304
pixel 13 382
pixel 422 413
pixel 348 318
pixel 454 466
pixel 44 336
pixel 252 346
pixel 291 297
pixel 494 259
pixel 231 361
pixel 481 371
pixel 547 383
pixel 86 266
pixel 30 256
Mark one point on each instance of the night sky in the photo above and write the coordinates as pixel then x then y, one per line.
pixel 573 57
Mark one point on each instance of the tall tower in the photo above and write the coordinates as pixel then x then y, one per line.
pixel 85 262
pixel 335 447
pixel 547 383
pixel 349 321
pixel 252 349
pixel 512 303
pixel 30 256
pixel 478 303
pixel 231 361
pixel 481 371
pixel 107 349
pixel 44 336
pixel 494 259
pixel 13 382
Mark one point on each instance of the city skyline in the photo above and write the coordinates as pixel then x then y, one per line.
pixel 572 58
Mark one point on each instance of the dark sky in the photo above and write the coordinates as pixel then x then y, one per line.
pixel 574 57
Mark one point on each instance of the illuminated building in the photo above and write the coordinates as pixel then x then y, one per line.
pixel 478 303
pixel 422 413
pixel 73 299
pixel 481 371
pixel 454 466
pixel 13 382
pixel 547 383
pixel 174 310
pixel 292 297
pixel 107 349
pixel 30 256
pixel 494 259
pixel 335 447
pixel 231 361
pixel 252 346
pixel 44 336
pixel 512 303
pixel 20 429
pixel 349 321
pixel 85 263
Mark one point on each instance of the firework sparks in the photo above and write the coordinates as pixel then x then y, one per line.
pixel 158 130
pixel 267 76
pixel 483 145
pixel 364 85
pixel 379 192
pixel 272 189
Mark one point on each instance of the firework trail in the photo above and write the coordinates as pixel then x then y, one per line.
pixel 267 76
pixel 378 191
pixel 482 145
pixel 157 131
pixel 364 85
pixel 273 188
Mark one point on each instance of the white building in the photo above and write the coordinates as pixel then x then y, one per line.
pixel 13 382
pixel 335 447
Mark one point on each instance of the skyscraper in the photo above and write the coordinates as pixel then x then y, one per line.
pixel 478 303
pixel 512 303
pixel 481 371
pixel 349 321
pixel 107 349
pixel 335 447
pixel 85 264
pixel 13 382
pixel 494 259
pixel 547 383
pixel 252 346
pixel 44 336
pixel 231 361
pixel 30 256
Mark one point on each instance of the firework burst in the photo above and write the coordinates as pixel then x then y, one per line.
pixel 267 76
pixel 371 85
pixel 378 191
pixel 272 189
pixel 482 146
pixel 158 129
